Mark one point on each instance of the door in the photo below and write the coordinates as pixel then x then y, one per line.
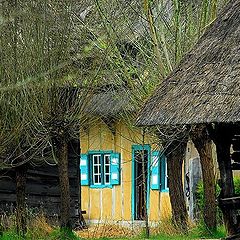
pixel 140 181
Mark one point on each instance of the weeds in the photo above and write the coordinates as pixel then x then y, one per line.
pixel 40 229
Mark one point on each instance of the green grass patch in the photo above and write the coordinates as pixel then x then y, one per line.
pixel 195 233
pixel 56 234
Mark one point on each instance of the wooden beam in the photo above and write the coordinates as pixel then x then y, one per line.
pixel 230 203
pixel 235 166
pixel 223 138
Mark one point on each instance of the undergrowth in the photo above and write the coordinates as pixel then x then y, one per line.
pixel 40 229
pixel 56 234
pixel 166 230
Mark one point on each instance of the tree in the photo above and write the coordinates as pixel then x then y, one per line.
pixel 175 151
pixel 42 98
pixel 203 144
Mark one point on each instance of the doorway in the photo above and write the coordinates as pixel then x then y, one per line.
pixel 140 180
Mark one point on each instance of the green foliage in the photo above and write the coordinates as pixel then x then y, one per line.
pixel 63 234
pixel 57 234
pixel 10 236
pixel 202 232
pixel 236 181
pixel 200 199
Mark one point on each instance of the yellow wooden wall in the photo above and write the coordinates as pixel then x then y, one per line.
pixel 114 204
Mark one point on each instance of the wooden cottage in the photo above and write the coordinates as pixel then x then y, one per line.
pixel 117 159
pixel 205 88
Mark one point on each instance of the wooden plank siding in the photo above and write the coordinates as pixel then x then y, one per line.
pixel 42 186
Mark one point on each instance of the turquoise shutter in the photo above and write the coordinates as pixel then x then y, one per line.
pixel 115 168
pixel 155 170
pixel 163 163
pixel 84 170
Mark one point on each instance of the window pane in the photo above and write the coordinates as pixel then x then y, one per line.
pixel 96 159
pixel 95 169
pixel 96 179
pixel 107 179
pixel 107 159
pixel 107 169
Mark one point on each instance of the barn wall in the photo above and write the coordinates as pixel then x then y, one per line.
pixel 42 186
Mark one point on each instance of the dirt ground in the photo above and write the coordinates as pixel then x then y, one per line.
pixel 113 231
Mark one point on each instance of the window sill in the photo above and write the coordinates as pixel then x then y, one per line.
pixel 165 190
pixel 101 186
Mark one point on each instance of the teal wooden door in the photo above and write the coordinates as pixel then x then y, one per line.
pixel 140 181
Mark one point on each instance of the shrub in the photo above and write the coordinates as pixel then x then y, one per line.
pixel 200 198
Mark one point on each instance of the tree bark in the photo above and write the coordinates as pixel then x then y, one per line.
pixel 65 221
pixel 175 155
pixel 203 145
pixel 21 203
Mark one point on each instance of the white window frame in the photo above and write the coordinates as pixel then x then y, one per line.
pixel 101 166
pixel 109 165
pixel 99 173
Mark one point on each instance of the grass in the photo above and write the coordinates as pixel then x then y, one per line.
pixel 193 234
pixel 57 234
pixel 40 229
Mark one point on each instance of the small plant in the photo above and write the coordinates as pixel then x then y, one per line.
pixel 38 227
pixel 63 234
pixel 200 206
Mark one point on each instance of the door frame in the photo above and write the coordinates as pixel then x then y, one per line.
pixel 140 147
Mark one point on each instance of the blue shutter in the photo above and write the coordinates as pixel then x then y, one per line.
pixel 155 170
pixel 84 170
pixel 163 162
pixel 115 168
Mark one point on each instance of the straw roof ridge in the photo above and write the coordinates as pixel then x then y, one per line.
pixel 205 87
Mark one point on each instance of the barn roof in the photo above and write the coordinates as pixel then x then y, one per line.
pixel 205 87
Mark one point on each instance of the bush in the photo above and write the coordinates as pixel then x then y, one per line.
pixel 200 198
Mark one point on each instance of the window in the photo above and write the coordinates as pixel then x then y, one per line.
pixel 100 169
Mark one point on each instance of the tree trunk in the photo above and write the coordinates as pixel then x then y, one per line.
pixel 75 147
pixel 65 221
pixel 203 145
pixel 222 137
pixel 175 155
pixel 21 203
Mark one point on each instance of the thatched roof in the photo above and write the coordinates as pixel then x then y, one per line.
pixel 205 87
pixel 111 103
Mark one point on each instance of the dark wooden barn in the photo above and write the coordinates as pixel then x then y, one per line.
pixel 42 187
pixel 205 89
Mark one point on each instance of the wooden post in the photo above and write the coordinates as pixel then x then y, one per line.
pixel 223 135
